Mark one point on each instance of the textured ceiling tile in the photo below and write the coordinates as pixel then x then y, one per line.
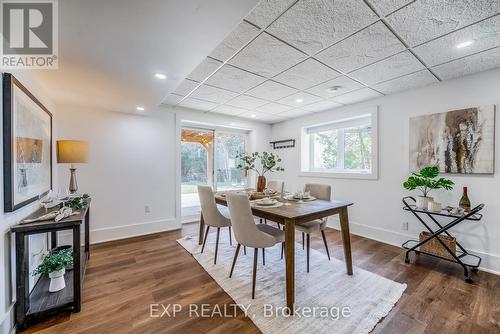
pixel 424 20
pixel 246 102
pixel 202 71
pixel 395 66
pixel 228 110
pixel 172 99
pixel 365 47
pixel 234 79
pixel 294 113
pixel 271 91
pixel 322 106
pixel 197 104
pixel 414 80
pixel 299 99
pixel 476 63
pixel 344 85
pixel 312 25
pixel 357 96
pixel 273 108
pixel 239 37
pixel 384 7
pixel 260 117
pixel 306 74
pixel 213 94
pixel 267 10
pixel 485 35
pixel 267 56
pixel 185 87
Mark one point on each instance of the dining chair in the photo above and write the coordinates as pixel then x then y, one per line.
pixel 277 186
pixel 212 216
pixel 323 192
pixel 247 233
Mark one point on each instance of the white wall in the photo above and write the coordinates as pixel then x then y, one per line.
pixel 377 211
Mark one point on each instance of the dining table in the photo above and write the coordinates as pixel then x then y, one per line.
pixel 289 214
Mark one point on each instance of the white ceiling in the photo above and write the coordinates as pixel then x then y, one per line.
pixel 281 60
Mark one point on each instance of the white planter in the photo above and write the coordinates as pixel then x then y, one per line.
pixel 57 282
pixel 423 202
pixel 434 206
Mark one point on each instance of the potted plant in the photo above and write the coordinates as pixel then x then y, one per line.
pixel 426 181
pixel 55 265
pixel 268 163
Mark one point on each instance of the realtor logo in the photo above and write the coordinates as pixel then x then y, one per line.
pixel 29 34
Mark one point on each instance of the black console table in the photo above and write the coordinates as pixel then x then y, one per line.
pixel 40 303
pixel 465 259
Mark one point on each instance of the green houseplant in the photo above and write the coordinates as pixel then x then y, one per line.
pixel 55 265
pixel 269 162
pixel 426 180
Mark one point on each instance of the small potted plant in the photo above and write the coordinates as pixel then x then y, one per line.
pixel 55 265
pixel 268 163
pixel 426 181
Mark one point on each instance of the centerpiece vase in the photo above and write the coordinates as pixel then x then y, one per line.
pixel 261 183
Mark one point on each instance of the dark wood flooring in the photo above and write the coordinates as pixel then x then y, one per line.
pixel 124 277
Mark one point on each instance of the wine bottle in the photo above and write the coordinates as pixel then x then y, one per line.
pixel 464 201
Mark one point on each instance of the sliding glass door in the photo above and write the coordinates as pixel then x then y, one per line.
pixel 227 147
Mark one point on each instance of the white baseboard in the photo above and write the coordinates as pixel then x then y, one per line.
pixel 490 262
pixel 7 321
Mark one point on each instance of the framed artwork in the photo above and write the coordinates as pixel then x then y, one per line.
pixel 459 141
pixel 27 145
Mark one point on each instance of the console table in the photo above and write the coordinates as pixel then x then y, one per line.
pixel 40 303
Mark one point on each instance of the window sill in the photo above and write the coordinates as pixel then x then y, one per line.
pixel 340 175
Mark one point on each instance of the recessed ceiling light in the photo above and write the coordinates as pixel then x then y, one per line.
pixel 333 89
pixel 232 124
pixel 253 115
pixel 160 76
pixel 464 44
pixel 299 100
pixel 140 108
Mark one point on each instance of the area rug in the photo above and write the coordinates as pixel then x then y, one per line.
pixel 327 299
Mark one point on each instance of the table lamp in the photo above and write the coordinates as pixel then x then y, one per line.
pixel 72 152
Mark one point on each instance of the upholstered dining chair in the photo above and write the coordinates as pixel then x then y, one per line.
pixel 212 216
pixel 277 186
pixel 247 233
pixel 323 192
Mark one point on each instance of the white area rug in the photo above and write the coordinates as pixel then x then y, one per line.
pixel 326 288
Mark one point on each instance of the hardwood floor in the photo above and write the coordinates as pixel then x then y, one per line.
pixel 124 277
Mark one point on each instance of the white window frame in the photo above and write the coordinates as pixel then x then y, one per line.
pixel 306 149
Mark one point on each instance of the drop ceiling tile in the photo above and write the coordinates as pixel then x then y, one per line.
pixel 273 108
pixel 247 102
pixel 424 20
pixel 414 80
pixel 197 104
pixel 344 83
pixel 239 37
pixel 485 35
pixel 294 113
pixel 306 74
pixel 357 96
pixel 476 63
pixel 303 97
pixel 228 110
pixel 389 68
pixel 271 91
pixel 172 99
pixel 384 7
pixel 185 87
pixel 311 25
pixel 260 117
pixel 365 47
pixel 206 67
pixel 267 10
pixel 234 79
pixel 267 56
pixel 213 94
pixel 322 106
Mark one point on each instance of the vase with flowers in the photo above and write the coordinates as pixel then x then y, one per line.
pixel 261 163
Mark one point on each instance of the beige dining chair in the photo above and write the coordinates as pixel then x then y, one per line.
pixel 247 233
pixel 323 192
pixel 277 186
pixel 212 216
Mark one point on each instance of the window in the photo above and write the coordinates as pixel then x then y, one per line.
pixel 346 147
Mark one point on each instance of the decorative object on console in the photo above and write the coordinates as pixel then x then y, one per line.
pixel 27 145
pixel 458 141
pixel 434 206
pixel 55 266
pixel 72 152
pixel 425 181
pixel 464 201
pixel 268 163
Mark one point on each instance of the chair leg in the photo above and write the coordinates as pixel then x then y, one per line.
pixel 205 239
pixel 234 260
pixel 260 221
pixel 303 243
pixel 326 245
pixel 245 250
pixel 308 247
pixel 279 226
pixel 263 256
pixel 216 245
pixel 282 249
pixel 230 238
pixel 265 221
pixel 255 255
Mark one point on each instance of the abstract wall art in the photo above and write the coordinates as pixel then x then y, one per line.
pixel 459 141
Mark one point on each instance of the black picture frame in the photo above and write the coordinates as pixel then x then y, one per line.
pixel 9 82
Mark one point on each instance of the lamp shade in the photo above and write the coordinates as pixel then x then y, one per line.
pixel 72 151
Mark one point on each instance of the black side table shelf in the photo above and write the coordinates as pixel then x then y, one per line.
pixel 469 262
pixel 40 303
